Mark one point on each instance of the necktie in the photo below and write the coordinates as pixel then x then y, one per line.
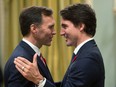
pixel 42 59
pixel 73 57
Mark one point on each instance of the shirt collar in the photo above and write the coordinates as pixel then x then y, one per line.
pixel 80 45
pixel 35 48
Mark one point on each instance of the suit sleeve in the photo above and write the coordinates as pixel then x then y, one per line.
pixel 17 80
pixel 13 77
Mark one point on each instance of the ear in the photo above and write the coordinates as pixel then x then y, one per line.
pixel 33 28
pixel 81 26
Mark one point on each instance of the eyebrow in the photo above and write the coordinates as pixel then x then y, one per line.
pixel 63 25
pixel 51 25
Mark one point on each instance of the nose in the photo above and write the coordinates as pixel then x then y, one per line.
pixel 62 32
pixel 54 32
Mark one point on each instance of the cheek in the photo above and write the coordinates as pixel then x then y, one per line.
pixel 48 32
pixel 72 35
pixel 46 35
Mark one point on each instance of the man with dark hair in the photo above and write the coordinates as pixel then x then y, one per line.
pixel 78 27
pixel 37 28
pixel 86 69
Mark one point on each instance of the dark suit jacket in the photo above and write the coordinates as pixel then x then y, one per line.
pixel 12 76
pixel 87 70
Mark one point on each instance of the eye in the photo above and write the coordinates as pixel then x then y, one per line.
pixel 51 27
pixel 64 26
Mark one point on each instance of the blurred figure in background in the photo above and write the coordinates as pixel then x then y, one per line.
pixel 1 77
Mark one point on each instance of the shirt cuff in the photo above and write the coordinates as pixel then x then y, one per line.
pixel 42 83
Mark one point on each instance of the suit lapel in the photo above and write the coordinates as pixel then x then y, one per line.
pixel 43 69
pixel 86 47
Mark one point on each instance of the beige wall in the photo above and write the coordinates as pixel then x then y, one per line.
pixel 106 37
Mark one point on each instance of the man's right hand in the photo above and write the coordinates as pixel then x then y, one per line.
pixel 29 70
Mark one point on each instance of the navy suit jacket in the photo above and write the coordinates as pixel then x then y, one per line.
pixel 12 76
pixel 87 70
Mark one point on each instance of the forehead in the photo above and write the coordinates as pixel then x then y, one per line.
pixel 48 19
pixel 65 22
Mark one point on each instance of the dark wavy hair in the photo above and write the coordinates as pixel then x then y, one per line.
pixel 32 15
pixel 81 13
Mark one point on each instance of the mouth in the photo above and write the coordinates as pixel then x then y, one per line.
pixel 50 38
pixel 66 37
pixel 66 40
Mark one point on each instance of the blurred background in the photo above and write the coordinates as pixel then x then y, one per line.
pixel 58 55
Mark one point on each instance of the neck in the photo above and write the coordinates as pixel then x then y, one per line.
pixel 82 39
pixel 33 41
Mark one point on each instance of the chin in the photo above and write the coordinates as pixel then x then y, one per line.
pixel 68 44
pixel 49 44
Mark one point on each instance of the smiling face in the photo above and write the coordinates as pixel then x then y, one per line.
pixel 71 33
pixel 45 32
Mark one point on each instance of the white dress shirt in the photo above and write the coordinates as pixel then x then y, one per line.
pixel 80 45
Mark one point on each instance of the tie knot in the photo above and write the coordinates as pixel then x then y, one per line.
pixel 41 55
pixel 74 57
pixel 42 58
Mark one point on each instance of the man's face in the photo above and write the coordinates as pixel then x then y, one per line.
pixel 70 33
pixel 46 31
